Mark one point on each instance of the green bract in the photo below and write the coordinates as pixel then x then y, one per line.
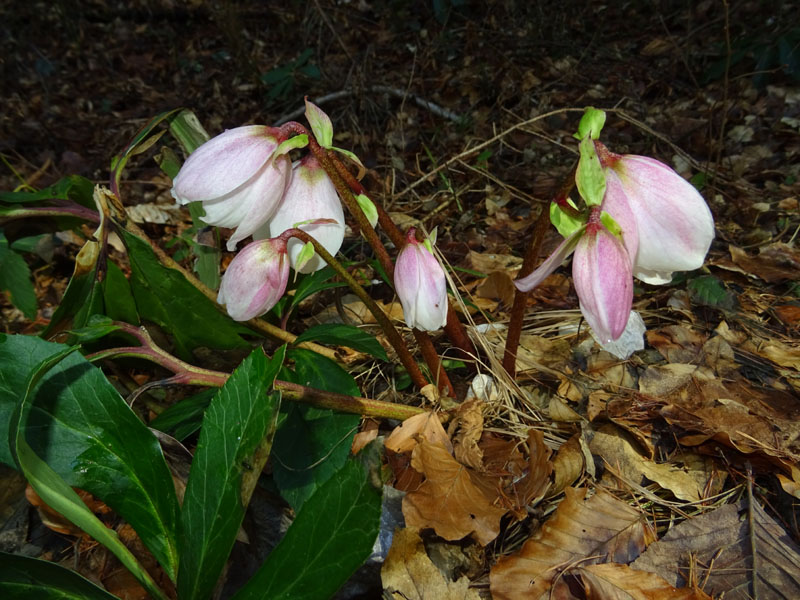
pixel 591 124
pixel 565 223
pixel 590 178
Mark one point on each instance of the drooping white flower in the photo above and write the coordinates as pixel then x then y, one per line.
pixel 421 285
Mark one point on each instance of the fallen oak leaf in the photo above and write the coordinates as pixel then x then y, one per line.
pixel 454 500
pixel 425 426
pixel 597 529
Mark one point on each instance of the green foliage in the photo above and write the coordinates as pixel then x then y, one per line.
pixel 241 415
pixel 332 535
pixel 312 443
pixel 24 578
pixel 281 80
pixel 15 278
pixel 344 335
pixel 79 426
pixel 183 418
pixel 708 290
pixel 163 296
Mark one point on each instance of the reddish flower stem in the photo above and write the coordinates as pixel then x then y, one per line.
pixel 190 375
pixel 344 182
pixel 528 265
pixel 454 328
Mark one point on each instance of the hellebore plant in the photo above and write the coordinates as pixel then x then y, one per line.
pixel 641 220
pixel 421 285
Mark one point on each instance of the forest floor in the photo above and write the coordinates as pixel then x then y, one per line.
pixel 463 116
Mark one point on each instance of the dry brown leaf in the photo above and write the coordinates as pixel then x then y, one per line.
pixel 592 530
pixel 665 379
pixel 466 429
pixel 686 476
pixel 568 464
pixel 498 286
pixel 560 412
pixel 490 262
pixel 408 573
pixel 425 426
pixel 717 547
pixel 454 500
pixel 369 431
pixel 530 490
pixel 612 581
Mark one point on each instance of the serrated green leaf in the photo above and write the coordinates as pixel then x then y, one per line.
pixel 25 578
pixel 312 443
pixel 330 538
pixel 239 422
pixel 163 296
pixel 344 335
pixel 709 291
pixel 50 486
pixel 15 278
pixel 78 424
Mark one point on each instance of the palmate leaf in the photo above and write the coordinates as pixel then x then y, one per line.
pixel 52 488
pixel 235 440
pixel 80 428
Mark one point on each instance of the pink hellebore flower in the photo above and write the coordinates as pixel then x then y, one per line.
pixel 421 286
pixel 601 272
pixel 674 225
pixel 255 280
pixel 238 177
pixel 310 196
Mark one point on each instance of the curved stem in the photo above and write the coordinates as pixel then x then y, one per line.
pixel 395 339
pixel 528 264
pixel 187 374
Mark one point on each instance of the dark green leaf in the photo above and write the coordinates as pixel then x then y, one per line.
pixel 49 485
pixel 139 143
pixel 709 291
pixel 330 538
pixel 15 278
pixel 241 415
pixel 74 187
pixel 315 282
pixel 24 578
pixel 312 443
pixel 344 335
pixel 97 327
pixel 80 426
pixel 183 418
pixel 163 296
pixel 117 296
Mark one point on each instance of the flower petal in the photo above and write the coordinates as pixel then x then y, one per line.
pixel 224 163
pixel 421 285
pixel 601 271
pixel 255 280
pixel 551 263
pixel 675 225
pixel 310 195
pixel 616 204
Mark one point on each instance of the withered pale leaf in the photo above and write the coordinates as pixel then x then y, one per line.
pixel 568 464
pixel 466 429
pixel 408 573
pixel 422 426
pixel 612 581
pixel 717 548
pixel 687 480
pixel 454 500
pixel 598 529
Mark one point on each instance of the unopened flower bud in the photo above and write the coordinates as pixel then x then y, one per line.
pixel 421 285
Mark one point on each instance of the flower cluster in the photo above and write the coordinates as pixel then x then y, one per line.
pixel 642 220
pixel 245 181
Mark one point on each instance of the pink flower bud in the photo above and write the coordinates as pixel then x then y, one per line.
pixel 421 286
pixel 601 272
pixel 675 226
pixel 237 177
pixel 255 280
pixel 310 196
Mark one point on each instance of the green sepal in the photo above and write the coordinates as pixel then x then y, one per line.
pixel 609 223
pixel 591 124
pixel 368 208
pixel 306 254
pixel 564 222
pixel 293 143
pixel 320 124
pixel 590 178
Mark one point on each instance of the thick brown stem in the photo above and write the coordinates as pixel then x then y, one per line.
pixel 528 264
